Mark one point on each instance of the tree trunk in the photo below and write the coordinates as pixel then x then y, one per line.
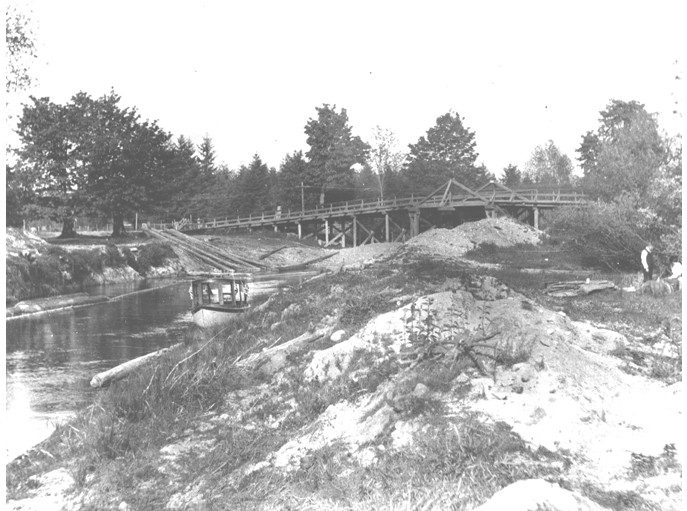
pixel 68 230
pixel 117 225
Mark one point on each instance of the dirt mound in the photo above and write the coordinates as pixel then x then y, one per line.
pixel 456 242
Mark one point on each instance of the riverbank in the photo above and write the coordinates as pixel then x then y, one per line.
pixel 414 377
pixel 39 268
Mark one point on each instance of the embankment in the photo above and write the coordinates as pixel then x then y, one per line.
pixel 38 269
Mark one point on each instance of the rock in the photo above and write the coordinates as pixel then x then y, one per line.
pixel 421 390
pixel 462 379
pixel 51 491
pixel 535 495
pixel 337 336
pixel 274 362
pixel 291 310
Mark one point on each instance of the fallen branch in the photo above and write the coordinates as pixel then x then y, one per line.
pixel 302 266
pixel 271 252
pixel 578 287
pixel 123 370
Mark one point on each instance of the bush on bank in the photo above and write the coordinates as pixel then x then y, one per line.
pixel 56 271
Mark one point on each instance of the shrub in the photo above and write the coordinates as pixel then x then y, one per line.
pixel 153 255
pixel 113 258
pixel 612 234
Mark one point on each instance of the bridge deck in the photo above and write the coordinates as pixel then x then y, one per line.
pixel 351 209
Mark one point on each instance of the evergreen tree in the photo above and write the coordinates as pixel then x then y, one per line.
pixel 253 186
pixel 333 152
pixel 186 182
pixel 447 151
pixel 292 173
pixel 511 176
pixel 206 156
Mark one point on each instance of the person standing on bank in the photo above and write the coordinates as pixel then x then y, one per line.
pixel 648 262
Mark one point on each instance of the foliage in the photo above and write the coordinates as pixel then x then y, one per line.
pixel 447 151
pixel 333 154
pixel 206 157
pixel 292 173
pixel 612 233
pixel 548 166
pixel 126 157
pixel 385 159
pixel 182 192
pixel 624 154
pixel 253 187
pixel 91 155
pixel 511 176
pixel 20 49
pixel 153 255
pixel 50 171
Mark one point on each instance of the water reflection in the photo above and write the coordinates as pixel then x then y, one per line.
pixel 51 357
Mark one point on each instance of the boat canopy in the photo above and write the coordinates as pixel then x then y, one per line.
pixel 228 292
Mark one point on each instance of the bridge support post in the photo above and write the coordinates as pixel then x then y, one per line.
pixel 536 218
pixel 386 227
pixel 414 223
pixel 343 233
pixel 355 231
pixel 300 230
pixel 326 231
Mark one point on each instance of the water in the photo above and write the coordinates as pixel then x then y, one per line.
pixel 51 357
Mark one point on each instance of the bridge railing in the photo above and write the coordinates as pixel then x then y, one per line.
pixel 349 208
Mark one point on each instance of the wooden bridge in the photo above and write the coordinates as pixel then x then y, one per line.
pixel 360 222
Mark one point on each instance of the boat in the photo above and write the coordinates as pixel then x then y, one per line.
pixel 216 300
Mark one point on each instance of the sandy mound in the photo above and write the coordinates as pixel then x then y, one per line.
pixel 456 242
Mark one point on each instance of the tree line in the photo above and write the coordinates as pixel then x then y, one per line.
pixel 92 156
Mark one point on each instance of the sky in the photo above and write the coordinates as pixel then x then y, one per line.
pixel 250 74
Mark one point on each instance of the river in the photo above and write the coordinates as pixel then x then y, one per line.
pixel 51 357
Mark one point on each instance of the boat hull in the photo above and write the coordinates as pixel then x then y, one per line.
pixel 208 316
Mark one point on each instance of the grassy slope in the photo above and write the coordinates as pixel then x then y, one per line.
pixel 113 447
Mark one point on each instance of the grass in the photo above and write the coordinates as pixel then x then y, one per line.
pixel 58 271
pixel 113 447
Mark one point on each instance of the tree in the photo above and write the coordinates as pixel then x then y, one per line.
pixel 51 168
pixel 549 166
pixel 253 186
pixel 91 154
pixel 333 152
pixel 127 158
pixel 206 156
pixel 511 176
pixel 292 173
pixel 20 49
pixel 447 152
pixel 385 158
pixel 181 193
pixel 624 154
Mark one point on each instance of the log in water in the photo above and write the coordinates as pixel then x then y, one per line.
pixel 57 302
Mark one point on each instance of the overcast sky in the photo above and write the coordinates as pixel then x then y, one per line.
pixel 249 74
